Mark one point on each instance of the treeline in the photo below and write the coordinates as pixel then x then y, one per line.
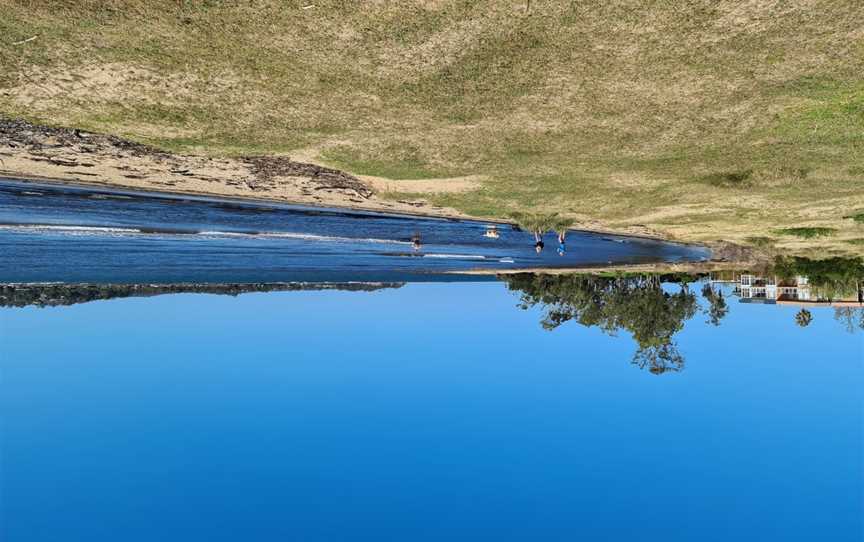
pixel 833 278
pixel 53 295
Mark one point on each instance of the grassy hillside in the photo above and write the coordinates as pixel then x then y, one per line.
pixel 703 119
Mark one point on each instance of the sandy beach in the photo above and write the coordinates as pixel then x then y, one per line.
pixel 30 151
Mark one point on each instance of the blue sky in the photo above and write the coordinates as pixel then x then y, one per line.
pixel 435 411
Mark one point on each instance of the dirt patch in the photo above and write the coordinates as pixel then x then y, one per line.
pixel 45 88
pixel 437 185
pixel 443 185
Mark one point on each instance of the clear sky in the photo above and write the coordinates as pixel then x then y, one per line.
pixel 431 412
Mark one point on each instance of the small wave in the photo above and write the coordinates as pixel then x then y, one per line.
pixel 506 260
pixel 456 256
pixel 109 196
pixel 144 230
pixel 69 229
pixel 303 236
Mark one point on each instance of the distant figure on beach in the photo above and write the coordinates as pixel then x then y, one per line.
pixel 562 238
pixel 415 241
pixel 538 241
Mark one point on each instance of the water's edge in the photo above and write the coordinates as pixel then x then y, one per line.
pixel 104 188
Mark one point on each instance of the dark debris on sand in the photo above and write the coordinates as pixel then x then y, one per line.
pixel 48 143
pixel 267 168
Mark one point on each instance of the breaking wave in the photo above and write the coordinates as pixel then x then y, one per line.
pixel 303 236
pixel 456 256
pixel 115 230
pixel 69 229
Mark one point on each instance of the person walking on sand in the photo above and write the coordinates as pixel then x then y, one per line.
pixel 538 241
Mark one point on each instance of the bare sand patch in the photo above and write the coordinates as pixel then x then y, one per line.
pixel 44 87
pixel 426 186
pixel 443 185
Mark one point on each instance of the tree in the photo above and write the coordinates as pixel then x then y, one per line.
pixel 803 318
pixel 637 304
pixel 717 307
pixel 659 359
pixel 832 278
pixel 850 318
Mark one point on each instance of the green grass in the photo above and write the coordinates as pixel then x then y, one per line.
pixel 678 118
pixel 760 241
pixel 857 217
pixel 541 222
pixel 807 233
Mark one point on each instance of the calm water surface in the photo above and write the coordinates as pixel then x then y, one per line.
pixel 426 412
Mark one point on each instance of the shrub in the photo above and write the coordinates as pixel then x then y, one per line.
pixel 729 179
pixel 761 242
pixel 807 232
pixel 541 222
pixel 857 217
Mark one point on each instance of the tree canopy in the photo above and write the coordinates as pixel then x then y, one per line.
pixel 637 304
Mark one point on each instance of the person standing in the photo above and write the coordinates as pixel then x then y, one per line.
pixel 538 241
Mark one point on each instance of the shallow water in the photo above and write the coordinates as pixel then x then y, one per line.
pixel 76 234
pixel 431 411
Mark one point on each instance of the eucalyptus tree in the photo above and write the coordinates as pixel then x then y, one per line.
pixel 637 304
pixel 717 306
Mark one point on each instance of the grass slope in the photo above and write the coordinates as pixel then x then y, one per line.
pixel 702 119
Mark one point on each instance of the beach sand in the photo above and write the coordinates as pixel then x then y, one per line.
pixel 30 151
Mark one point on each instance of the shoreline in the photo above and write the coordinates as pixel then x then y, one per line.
pixel 120 189
pixel 37 153
pixel 638 268
pixel 115 187
pixel 109 199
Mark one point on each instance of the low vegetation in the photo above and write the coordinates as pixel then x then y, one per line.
pixel 730 179
pixel 534 222
pixel 857 217
pixel 808 233
pixel 760 241
pixel 703 121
